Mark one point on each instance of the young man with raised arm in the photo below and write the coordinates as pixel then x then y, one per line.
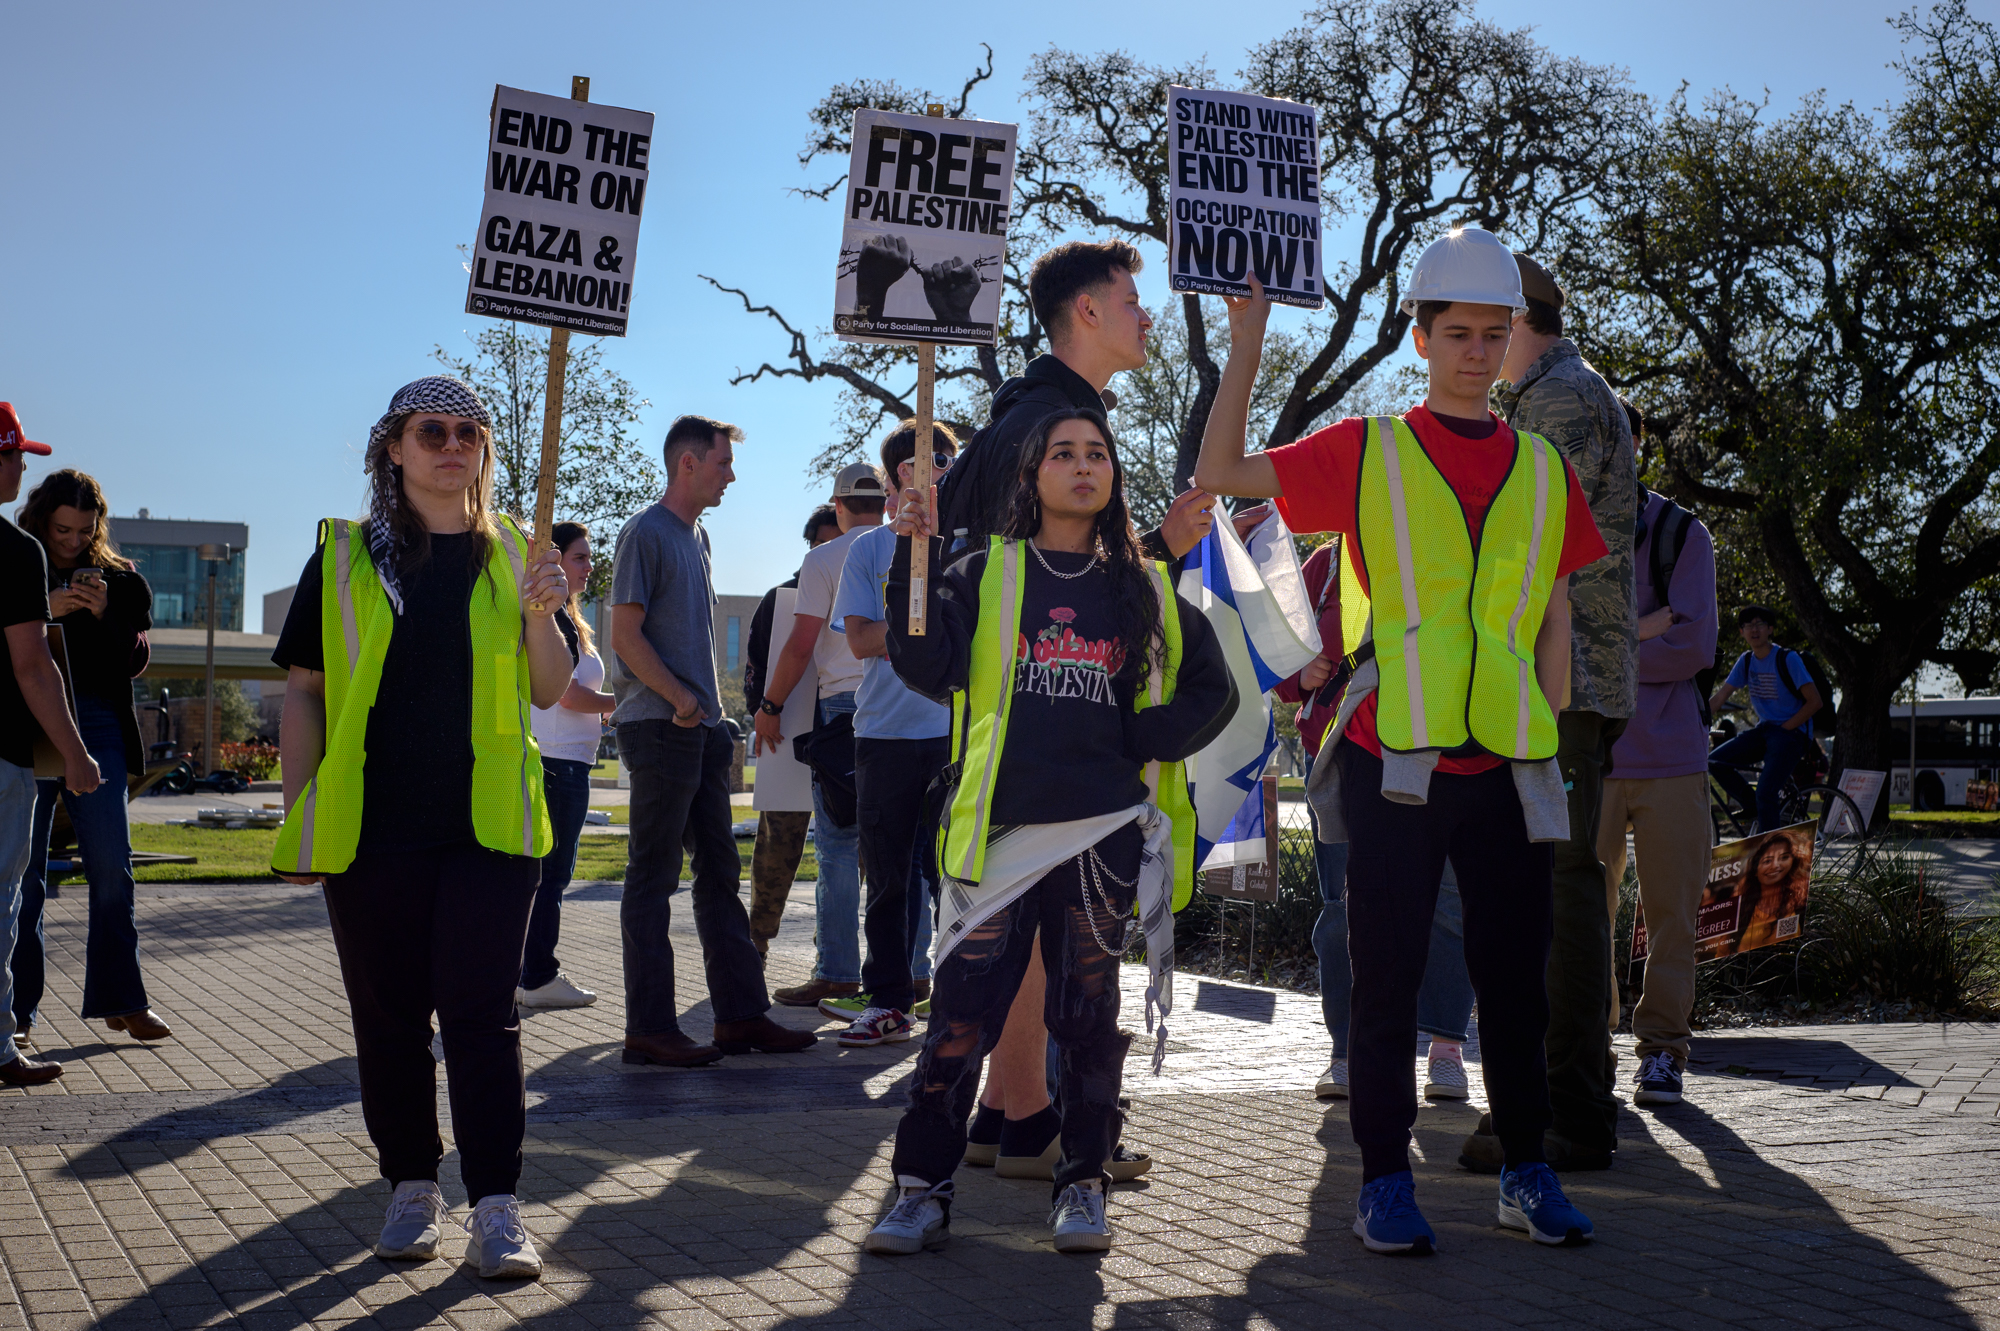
pixel 1463 535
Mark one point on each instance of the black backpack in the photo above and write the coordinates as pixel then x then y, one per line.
pixel 1670 534
pixel 1817 673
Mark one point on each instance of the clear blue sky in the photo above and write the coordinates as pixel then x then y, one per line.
pixel 230 229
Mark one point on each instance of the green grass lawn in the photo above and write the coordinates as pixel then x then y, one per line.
pixel 244 856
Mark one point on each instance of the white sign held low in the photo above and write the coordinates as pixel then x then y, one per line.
pixel 1243 176
pixel 558 240
pixel 929 202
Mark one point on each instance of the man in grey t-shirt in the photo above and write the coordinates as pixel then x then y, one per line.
pixel 678 757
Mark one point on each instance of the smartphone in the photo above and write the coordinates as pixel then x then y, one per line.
pixel 86 577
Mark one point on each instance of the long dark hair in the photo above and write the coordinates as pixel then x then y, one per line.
pixel 564 535
pixel 1135 606
pixel 79 490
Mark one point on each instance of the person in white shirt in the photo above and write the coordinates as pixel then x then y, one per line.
pixel 818 656
pixel 568 735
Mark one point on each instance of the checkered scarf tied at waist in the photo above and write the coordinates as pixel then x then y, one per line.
pixel 438 393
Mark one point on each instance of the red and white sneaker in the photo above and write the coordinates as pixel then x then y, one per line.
pixel 877 1025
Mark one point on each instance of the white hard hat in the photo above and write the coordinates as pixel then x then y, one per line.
pixel 1468 265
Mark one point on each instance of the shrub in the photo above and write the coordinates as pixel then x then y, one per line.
pixel 255 761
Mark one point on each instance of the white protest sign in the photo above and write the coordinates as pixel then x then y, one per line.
pixel 1864 788
pixel 1244 196
pixel 559 237
pixel 784 784
pixel 928 205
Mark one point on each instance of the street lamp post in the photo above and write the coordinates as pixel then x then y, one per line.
pixel 211 555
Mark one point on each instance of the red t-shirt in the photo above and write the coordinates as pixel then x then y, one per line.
pixel 1320 476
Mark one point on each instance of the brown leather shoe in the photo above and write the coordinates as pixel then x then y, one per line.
pixel 809 995
pixel 673 1050
pixel 25 1071
pixel 760 1035
pixel 145 1024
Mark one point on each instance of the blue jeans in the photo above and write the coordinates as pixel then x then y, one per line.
pixel 1444 1003
pixel 1780 749
pixel 17 817
pixel 837 899
pixel 112 985
pixel 566 786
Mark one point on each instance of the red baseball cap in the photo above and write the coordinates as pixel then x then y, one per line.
pixel 13 436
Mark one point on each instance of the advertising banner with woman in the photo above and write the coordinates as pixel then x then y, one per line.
pixel 1755 895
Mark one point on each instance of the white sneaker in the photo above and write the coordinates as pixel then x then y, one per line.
pixel 1333 1082
pixel 1446 1079
pixel 920 1219
pixel 500 1242
pixel 416 1216
pixel 561 992
pixel 1079 1220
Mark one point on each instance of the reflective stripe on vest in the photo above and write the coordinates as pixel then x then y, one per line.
pixel 1454 626
pixel 980 713
pixel 509 812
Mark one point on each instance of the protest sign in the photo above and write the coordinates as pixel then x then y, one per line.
pixel 1243 196
pixel 1864 788
pixel 1252 877
pixel 929 201
pixel 1755 895
pixel 558 240
pixel 784 784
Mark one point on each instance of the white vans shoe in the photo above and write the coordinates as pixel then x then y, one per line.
pixel 1079 1219
pixel 561 992
pixel 920 1219
pixel 1332 1084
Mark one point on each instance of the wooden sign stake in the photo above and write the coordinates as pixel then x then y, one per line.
pixel 552 400
pixel 920 470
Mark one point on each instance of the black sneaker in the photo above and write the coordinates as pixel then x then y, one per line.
pixel 1659 1081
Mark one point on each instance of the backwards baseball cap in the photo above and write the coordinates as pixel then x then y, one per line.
pixel 858 478
pixel 12 436
pixel 1536 281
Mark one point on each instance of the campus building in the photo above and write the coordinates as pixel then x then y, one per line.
pixel 165 550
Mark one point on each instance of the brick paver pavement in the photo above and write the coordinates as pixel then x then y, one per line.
pixel 1829 1176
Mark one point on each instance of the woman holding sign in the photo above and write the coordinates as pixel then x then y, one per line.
pixel 1078 683
pixel 416 644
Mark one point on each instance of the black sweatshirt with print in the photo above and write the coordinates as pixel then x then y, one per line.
pixel 1075 748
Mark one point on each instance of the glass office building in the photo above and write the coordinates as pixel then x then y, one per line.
pixel 164 549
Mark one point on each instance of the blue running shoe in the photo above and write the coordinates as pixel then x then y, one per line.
pixel 1387 1219
pixel 1531 1199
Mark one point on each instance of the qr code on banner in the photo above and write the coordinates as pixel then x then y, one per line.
pixel 1787 927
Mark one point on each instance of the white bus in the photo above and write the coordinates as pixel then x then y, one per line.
pixel 1958 740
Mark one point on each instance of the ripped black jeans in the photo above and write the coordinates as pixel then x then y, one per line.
pixel 973 989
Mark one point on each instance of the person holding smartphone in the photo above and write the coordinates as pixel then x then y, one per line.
pixel 105 609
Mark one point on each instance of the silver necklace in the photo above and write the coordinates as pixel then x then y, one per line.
pixel 1064 576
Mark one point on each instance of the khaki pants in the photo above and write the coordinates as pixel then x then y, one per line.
pixel 1672 835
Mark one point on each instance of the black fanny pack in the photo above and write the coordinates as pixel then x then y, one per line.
pixel 828 749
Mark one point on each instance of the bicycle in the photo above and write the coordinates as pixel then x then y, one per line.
pixel 1838 827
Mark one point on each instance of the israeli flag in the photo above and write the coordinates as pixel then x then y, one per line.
pixel 1255 599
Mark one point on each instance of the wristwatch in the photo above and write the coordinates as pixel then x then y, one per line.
pixel 769 708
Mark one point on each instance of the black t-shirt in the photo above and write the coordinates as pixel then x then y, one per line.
pixel 417 778
pixel 24 599
pixel 101 651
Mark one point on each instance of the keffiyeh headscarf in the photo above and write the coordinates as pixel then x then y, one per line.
pixel 438 393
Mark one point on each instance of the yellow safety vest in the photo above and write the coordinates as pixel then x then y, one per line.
pixel 1454 624
pixel 980 711
pixel 323 829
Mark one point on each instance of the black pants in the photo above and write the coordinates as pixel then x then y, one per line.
pixel 680 800
pixel 1395 859
pixel 443 931
pixel 975 986
pixel 890 777
pixel 1582 1063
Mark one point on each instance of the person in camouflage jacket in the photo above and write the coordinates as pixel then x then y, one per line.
pixel 1547 388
